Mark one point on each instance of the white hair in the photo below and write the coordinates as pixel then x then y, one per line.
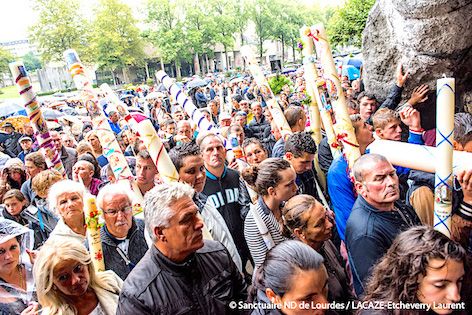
pixel 61 187
pixel 157 211
pixel 115 190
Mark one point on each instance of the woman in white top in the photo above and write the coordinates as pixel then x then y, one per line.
pixel 274 181
pixel 67 200
pixel 67 282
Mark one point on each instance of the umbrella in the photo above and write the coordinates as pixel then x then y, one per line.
pixel 236 80
pixel 196 83
pixel 18 122
pixel 351 72
pixel 356 62
pixel 288 70
pixel 10 108
pixel 51 114
pixel 126 96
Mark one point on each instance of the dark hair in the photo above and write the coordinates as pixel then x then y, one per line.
pixel 395 277
pixel 167 122
pixel 144 154
pixel 237 98
pixel 38 159
pixel 180 152
pixel 265 175
pixel 234 126
pixel 293 114
pixel 249 141
pixel 368 95
pixel 299 143
pixel 281 263
pixel 90 158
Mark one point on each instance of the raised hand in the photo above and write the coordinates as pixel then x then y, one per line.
pixel 400 76
pixel 419 95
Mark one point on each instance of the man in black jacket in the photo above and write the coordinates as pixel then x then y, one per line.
pixel 122 236
pixel 377 216
pixel 181 273
pixel 11 144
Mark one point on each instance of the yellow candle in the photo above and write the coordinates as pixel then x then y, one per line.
pixel 343 124
pixel 92 218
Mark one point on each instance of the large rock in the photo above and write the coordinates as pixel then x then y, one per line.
pixel 431 38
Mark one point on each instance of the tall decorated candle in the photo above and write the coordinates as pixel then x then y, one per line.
pixel 92 218
pixel 444 137
pixel 35 115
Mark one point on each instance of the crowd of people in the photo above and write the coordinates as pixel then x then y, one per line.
pixel 281 228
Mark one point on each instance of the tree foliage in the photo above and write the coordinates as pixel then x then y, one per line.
pixel 31 62
pixel 5 58
pixel 347 23
pixel 60 27
pixel 115 38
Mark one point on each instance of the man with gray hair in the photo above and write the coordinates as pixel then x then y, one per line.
pixel 180 271
pixel 122 235
pixel 377 216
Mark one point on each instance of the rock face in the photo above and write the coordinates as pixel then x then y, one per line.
pixel 430 38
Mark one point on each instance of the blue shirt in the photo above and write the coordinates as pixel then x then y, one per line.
pixel 115 127
pixel 341 192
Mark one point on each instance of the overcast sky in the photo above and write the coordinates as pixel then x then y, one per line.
pixel 17 15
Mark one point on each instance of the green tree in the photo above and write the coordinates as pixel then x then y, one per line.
pixel 261 15
pixel 60 27
pixel 347 23
pixel 115 39
pixel 31 62
pixel 166 31
pixel 5 58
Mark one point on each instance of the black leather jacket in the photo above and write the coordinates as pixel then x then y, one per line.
pixel 205 284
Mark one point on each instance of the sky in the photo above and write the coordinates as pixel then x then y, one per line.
pixel 12 27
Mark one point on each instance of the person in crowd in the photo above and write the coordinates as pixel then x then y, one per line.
pixel 67 282
pixel 113 120
pixel 254 151
pixel 214 111
pixel 340 187
pixel 12 176
pixel 367 240
pixel 88 157
pixel 122 235
pixel 296 119
pixel 83 173
pixel 274 181
pixel 69 141
pixel 146 172
pixel 292 276
pixel 225 189
pixel 184 132
pixel 170 277
pixel 68 155
pixel 300 150
pixel 41 184
pixel 244 107
pixel 421 266
pixel 237 131
pixel 240 118
pixel 258 124
pixel 17 289
pixel 306 220
pixel 368 103
pixel 92 138
pixel 34 164
pixel 201 98
pixel 11 144
pixel 39 221
pixel 84 147
pixel 66 199
pixel 188 161
pixel 26 144
pixel 155 100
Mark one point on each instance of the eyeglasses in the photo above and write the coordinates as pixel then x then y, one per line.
pixel 114 213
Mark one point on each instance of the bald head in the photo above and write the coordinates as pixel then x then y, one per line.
pixel 365 164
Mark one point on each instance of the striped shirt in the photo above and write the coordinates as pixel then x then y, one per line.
pixel 254 240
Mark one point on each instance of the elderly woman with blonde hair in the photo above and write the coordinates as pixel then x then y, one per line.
pixel 66 199
pixel 67 282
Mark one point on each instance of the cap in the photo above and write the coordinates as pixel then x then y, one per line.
pixel 25 138
pixel 8 124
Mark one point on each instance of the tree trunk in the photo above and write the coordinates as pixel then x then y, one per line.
pixel 261 44
pixel 294 50
pixel 146 66
pixel 207 63
pixel 226 58
pixel 283 49
pixel 114 78
pixel 125 75
pixel 162 65
pixel 177 70
pixel 196 64
pixel 202 65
